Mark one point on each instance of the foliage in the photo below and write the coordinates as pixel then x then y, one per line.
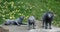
pixel 12 9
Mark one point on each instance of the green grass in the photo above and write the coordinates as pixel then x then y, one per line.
pixel 12 9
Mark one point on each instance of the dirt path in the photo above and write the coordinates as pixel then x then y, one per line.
pixel 24 28
pixel 40 29
pixel 14 28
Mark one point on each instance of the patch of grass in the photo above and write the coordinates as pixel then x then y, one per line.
pixel 12 9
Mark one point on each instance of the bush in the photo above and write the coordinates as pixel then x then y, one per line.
pixel 12 9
